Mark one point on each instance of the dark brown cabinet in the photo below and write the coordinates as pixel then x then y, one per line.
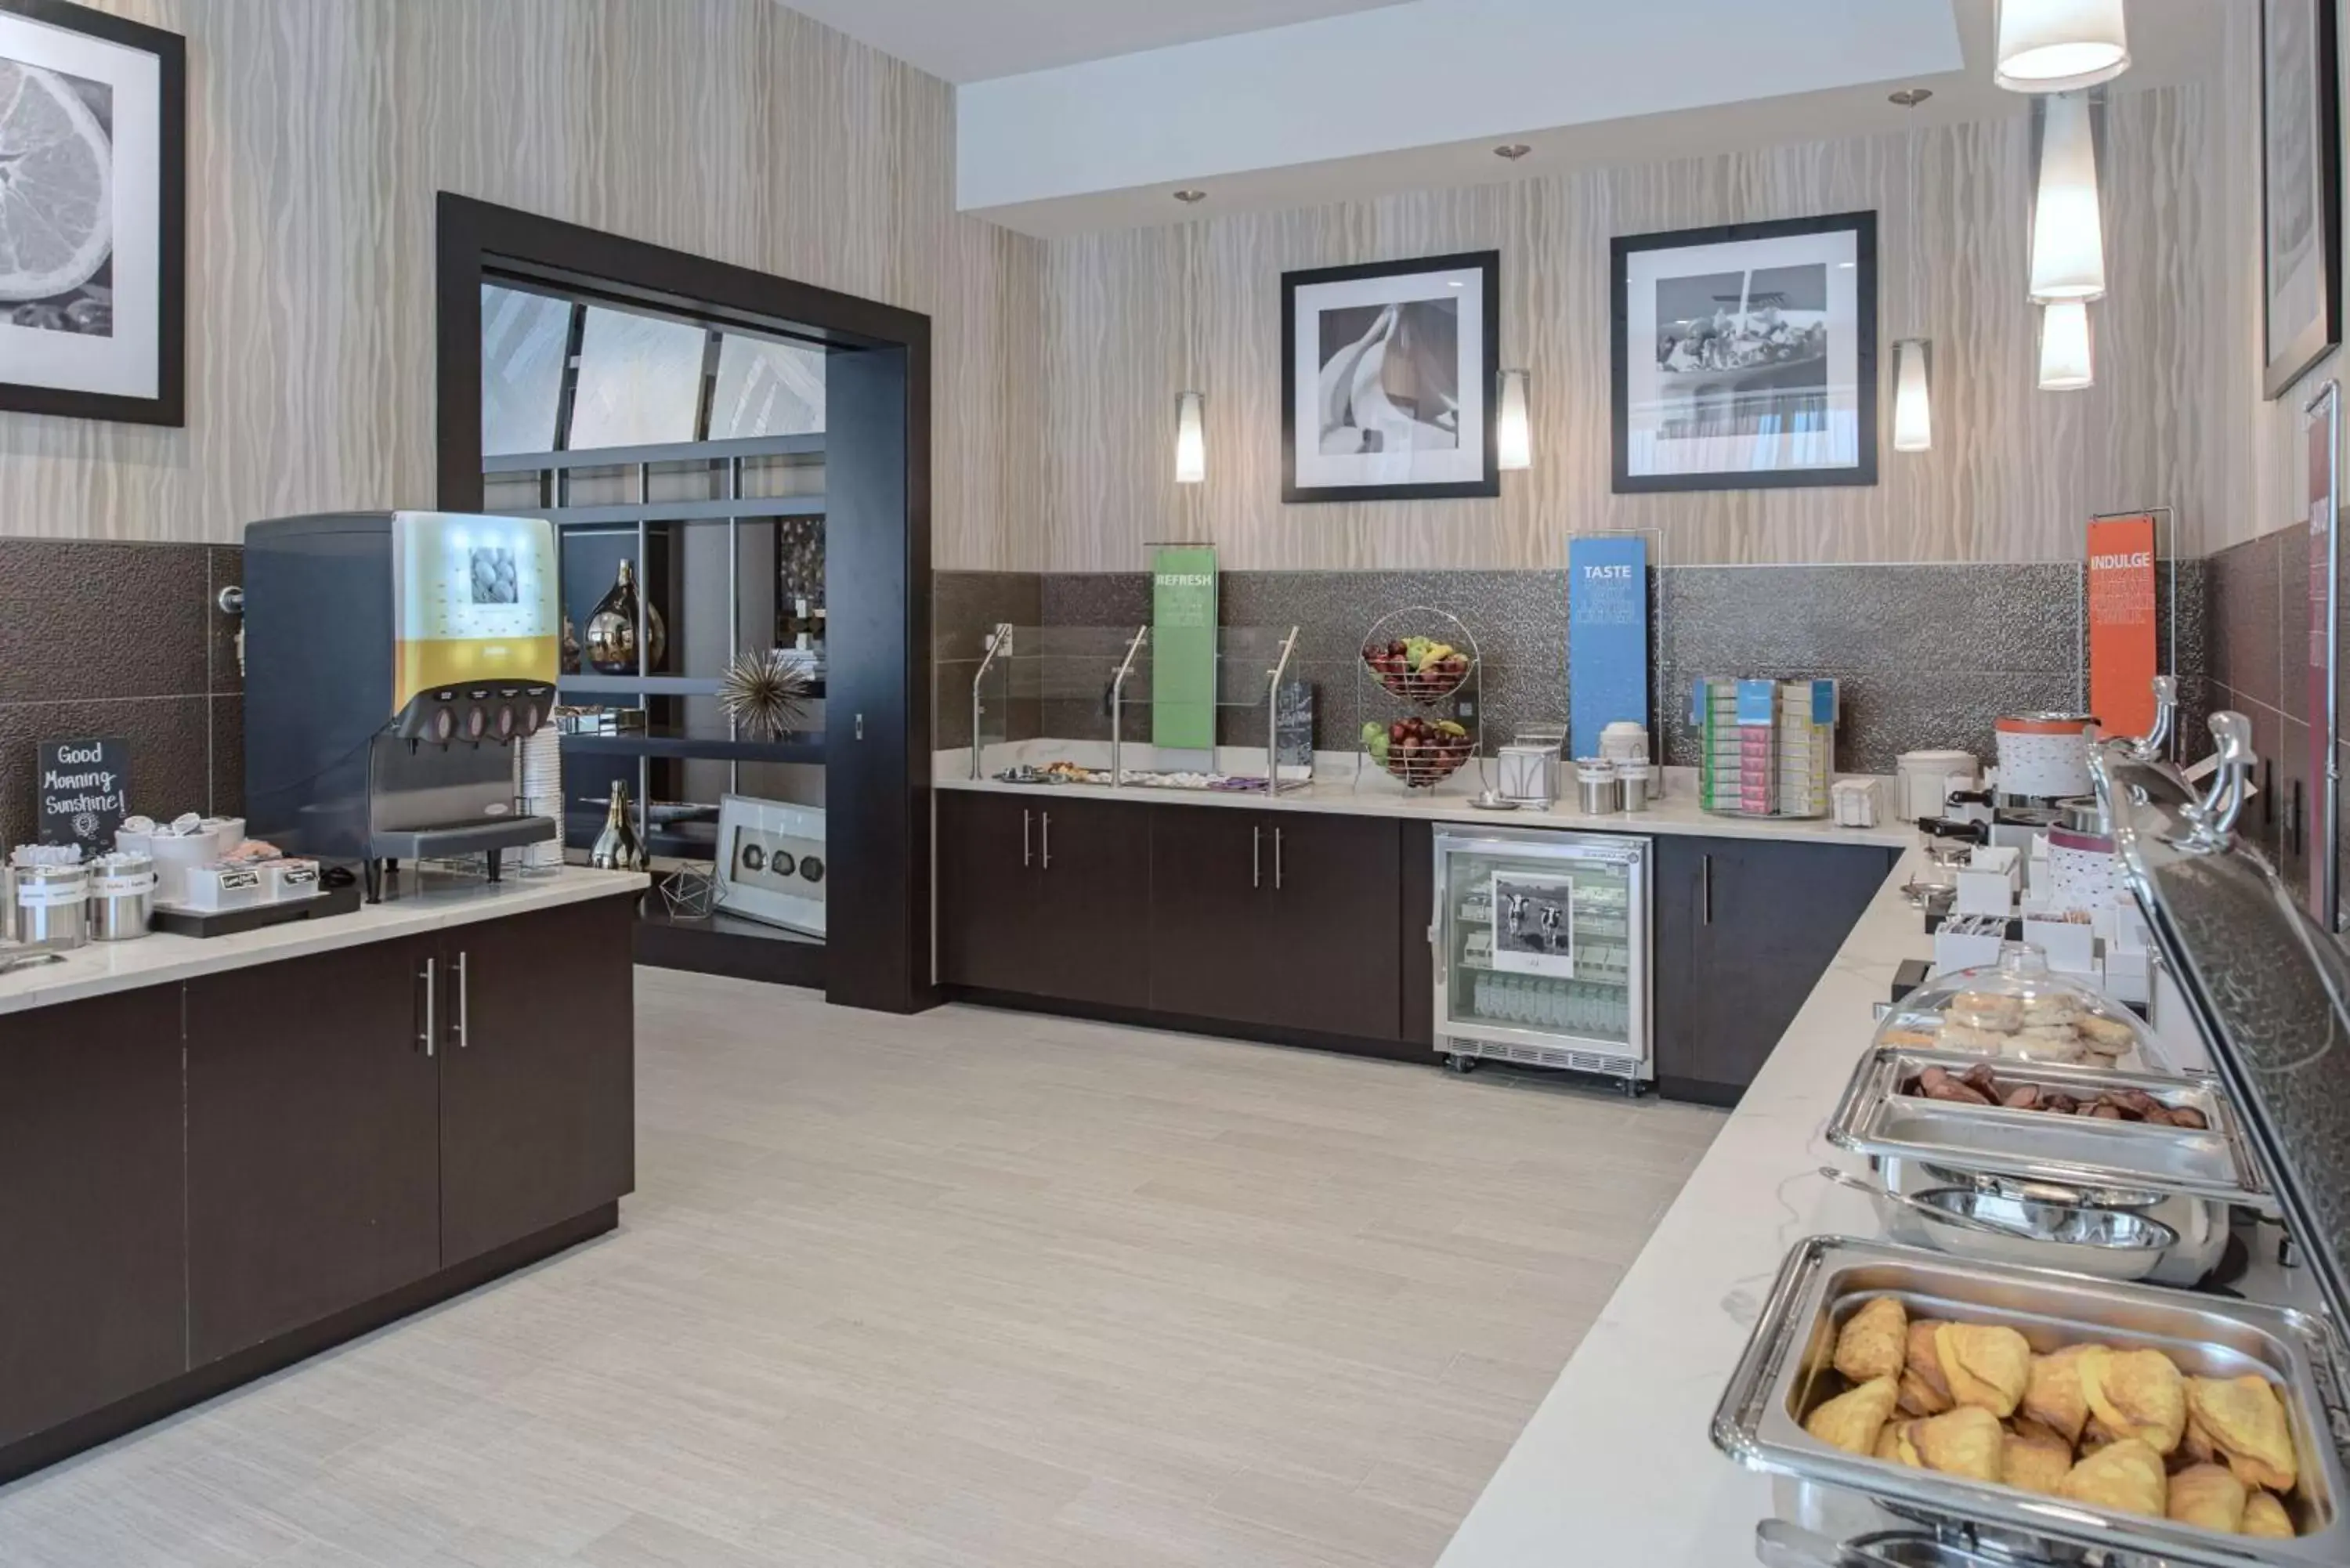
pixel 1744 928
pixel 537 1094
pixel 1288 920
pixel 92 1255
pixel 1044 896
pixel 313 1137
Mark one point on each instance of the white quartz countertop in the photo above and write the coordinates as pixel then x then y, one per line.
pixel 1336 788
pixel 438 902
pixel 1616 1466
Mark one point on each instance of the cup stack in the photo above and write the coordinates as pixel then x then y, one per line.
pixel 538 792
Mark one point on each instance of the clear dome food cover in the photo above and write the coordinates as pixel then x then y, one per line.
pixel 2021 1009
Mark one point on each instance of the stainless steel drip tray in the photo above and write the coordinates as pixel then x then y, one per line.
pixel 1876 1118
pixel 1785 1373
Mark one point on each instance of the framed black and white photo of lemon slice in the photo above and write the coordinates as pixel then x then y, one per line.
pixel 93 202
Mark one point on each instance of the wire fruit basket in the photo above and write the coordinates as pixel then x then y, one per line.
pixel 1428 658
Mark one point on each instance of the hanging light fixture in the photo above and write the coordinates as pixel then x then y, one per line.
pixel 2066 364
pixel 1513 434
pixel 2058 46
pixel 1191 438
pixel 1913 357
pixel 1913 403
pixel 2068 234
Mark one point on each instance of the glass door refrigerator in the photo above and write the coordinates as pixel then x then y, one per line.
pixel 1541 945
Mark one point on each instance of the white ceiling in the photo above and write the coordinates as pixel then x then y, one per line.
pixel 974 40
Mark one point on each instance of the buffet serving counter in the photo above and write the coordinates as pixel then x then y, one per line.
pixel 1617 1464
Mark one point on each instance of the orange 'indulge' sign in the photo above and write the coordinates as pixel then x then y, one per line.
pixel 2121 624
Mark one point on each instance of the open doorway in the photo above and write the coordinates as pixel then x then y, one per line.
pixel 737 467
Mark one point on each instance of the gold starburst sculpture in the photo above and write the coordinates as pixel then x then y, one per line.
pixel 763 693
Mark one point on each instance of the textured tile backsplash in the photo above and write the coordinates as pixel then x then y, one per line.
pixel 1927 655
pixel 121 639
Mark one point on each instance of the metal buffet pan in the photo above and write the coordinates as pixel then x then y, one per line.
pixel 2186 1179
pixel 1785 1374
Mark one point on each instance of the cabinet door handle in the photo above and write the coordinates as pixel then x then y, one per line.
pixel 1047 840
pixel 1276 860
pixel 431 1026
pixel 1705 889
pixel 464 1003
pixel 1024 852
pixel 1256 856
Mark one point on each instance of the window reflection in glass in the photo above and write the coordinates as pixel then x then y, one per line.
pixel 640 380
pixel 766 387
pixel 523 340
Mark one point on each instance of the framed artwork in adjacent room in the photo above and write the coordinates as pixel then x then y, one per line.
pixel 1387 374
pixel 93 192
pixel 2300 188
pixel 1745 357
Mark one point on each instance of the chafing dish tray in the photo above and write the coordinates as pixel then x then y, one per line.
pixel 1785 1373
pixel 1878 1119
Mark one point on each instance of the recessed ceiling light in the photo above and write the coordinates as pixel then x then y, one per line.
pixel 1909 97
pixel 1512 151
pixel 1456 283
pixel 1189 197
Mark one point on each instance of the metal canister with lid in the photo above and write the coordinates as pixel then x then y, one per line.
pixel 53 906
pixel 1594 786
pixel 122 896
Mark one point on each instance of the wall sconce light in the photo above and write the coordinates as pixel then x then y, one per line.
pixel 2058 46
pixel 2066 364
pixel 1913 396
pixel 2068 236
pixel 1514 434
pixel 1191 438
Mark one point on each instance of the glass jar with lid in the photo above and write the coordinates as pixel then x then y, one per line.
pixel 2022 1010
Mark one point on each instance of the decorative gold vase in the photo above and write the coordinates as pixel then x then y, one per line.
pixel 617 848
pixel 612 630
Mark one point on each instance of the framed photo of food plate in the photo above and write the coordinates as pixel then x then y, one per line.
pixel 1745 356
pixel 93 232
pixel 1387 380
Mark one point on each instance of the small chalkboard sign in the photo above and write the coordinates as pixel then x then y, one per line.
pixel 81 792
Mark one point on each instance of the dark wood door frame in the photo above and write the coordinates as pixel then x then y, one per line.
pixel 880 828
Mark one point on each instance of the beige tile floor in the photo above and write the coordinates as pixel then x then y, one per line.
pixel 972 1288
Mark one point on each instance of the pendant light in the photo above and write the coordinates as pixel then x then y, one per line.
pixel 2068 237
pixel 2066 364
pixel 1913 403
pixel 1913 357
pixel 1513 432
pixel 1191 438
pixel 2059 46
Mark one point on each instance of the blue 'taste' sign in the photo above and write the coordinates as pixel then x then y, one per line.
pixel 1607 635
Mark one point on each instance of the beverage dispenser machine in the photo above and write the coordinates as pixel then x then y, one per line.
pixel 392 660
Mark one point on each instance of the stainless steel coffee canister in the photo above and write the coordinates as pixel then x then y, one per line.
pixel 53 906
pixel 121 897
pixel 1595 788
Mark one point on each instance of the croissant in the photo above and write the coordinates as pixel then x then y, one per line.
pixel 2034 1459
pixel 2126 1478
pixel 2266 1516
pixel 2052 1395
pixel 1967 1442
pixel 1875 1341
pixel 2245 1421
pixel 1987 1366
pixel 1852 1420
pixel 2209 1497
pixel 1924 1390
pixel 2137 1393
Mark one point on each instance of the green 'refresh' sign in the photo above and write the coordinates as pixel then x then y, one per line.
pixel 1183 645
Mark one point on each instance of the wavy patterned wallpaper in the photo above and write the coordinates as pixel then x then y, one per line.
pixel 320 131
pixel 1134 317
